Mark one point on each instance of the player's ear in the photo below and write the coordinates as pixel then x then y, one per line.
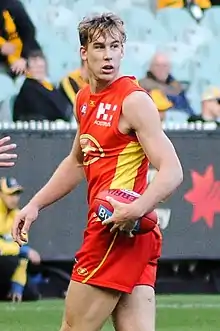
pixel 83 53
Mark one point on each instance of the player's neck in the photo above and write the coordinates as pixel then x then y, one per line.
pixel 97 86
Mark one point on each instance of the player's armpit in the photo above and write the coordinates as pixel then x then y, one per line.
pixel 76 151
pixel 141 114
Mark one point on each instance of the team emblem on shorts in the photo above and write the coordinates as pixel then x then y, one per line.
pixel 82 271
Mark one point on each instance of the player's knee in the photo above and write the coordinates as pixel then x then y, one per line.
pixel 65 326
pixel 85 321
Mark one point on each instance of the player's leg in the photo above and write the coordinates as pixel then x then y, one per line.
pixel 87 307
pixel 136 312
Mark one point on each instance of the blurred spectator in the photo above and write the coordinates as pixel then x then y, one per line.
pixel 13 257
pixel 160 78
pixel 162 103
pixel 38 98
pixel 210 107
pixel 17 36
pixel 76 80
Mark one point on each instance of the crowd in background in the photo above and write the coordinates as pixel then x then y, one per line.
pixel 22 55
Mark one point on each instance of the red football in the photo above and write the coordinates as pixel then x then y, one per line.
pixel 104 209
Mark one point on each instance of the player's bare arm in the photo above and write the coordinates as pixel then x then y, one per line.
pixel 7 159
pixel 140 115
pixel 67 176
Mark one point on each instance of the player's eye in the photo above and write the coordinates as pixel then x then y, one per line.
pixel 115 46
pixel 98 46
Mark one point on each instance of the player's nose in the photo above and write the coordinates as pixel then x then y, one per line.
pixel 107 55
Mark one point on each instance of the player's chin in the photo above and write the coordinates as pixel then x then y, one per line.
pixel 107 76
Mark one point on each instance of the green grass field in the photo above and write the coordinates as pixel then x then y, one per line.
pixel 174 313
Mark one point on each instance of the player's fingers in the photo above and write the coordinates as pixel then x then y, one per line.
pixel 114 228
pixel 109 220
pixel 25 229
pixel 130 234
pixel 5 148
pixel 16 231
pixel 4 140
pixel 6 164
pixel 113 202
pixel 6 156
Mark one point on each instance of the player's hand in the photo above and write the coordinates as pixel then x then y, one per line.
pixel 23 222
pixel 124 215
pixel 6 147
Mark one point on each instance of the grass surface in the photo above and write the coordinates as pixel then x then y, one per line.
pixel 179 313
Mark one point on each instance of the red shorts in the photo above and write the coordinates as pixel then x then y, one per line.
pixel 116 261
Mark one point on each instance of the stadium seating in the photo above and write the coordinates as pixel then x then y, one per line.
pixel 175 20
pixel 175 116
pixel 191 46
pixel 7 87
pixel 211 20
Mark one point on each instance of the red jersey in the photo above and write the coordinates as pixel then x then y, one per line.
pixel 112 160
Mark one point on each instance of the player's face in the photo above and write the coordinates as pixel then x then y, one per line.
pixel 103 56
pixel 11 201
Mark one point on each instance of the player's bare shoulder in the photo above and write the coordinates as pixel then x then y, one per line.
pixel 138 107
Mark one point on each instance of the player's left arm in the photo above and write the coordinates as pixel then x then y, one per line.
pixel 142 116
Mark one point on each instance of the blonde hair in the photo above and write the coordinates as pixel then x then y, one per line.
pixel 91 28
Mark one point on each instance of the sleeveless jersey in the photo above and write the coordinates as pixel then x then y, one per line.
pixel 112 160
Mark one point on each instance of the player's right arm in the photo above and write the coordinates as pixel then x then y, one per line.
pixel 67 176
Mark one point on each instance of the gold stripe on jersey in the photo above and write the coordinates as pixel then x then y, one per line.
pixel 129 162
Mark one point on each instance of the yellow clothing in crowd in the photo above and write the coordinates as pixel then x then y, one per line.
pixel 161 100
pixel 9 247
pixel 204 4
pixel 14 38
pixel 72 84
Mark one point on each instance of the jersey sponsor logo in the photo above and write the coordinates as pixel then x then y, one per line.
pixel 104 114
pixel 102 123
pixel 92 103
pixel 92 150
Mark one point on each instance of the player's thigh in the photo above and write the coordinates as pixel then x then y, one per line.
pixel 136 312
pixel 87 307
